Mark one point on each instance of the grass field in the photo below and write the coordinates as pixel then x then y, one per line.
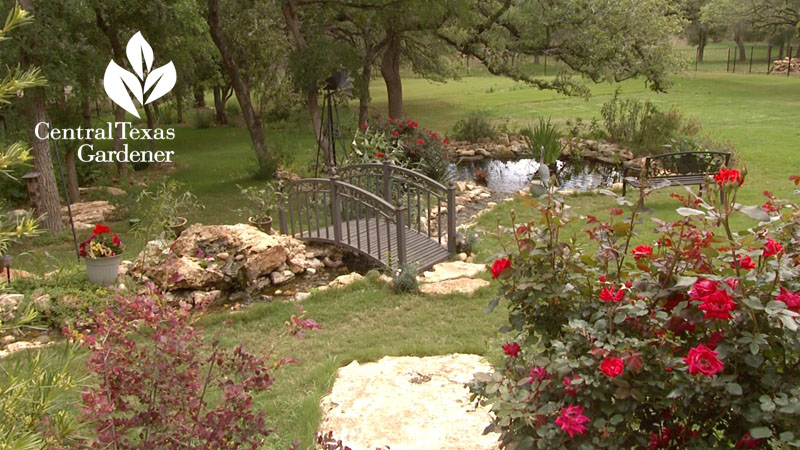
pixel 757 114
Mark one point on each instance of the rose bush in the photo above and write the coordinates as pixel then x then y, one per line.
pixel 690 341
pixel 405 143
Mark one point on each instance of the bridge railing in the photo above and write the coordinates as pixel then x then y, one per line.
pixel 330 210
pixel 426 201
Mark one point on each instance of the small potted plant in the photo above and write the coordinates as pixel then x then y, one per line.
pixel 262 202
pixel 166 209
pixel 102 252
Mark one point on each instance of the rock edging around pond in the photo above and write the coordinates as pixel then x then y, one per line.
pixel 207 260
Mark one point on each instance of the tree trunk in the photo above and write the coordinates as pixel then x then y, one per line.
pixel 240 87
pixel 119 117
pixel 737 38
pixel 289 9
pixel 366 75
pixel 701 45
pixel 780 52
pixel 151 124
pixel 220 116
pixel 179 107
pixel 49 205
pixel 199 98
pixel 390 69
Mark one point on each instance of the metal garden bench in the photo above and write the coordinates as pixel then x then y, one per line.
pixel 679 168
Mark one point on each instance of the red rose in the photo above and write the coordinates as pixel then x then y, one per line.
pixel 702 289
pixel 642 251
pixel 420 142
pixel 499 266
pixel 395 133
pixel 608 294
pixel 772 248
pixel 748 441
pixel 792 299
pixel 718 305
pixel 571 420
pixel 446 142
pixel 511 349
pixel 744 262
pixel 612 367
pixel 703 360
pixel 364 126
pixel 115 239
pixel 616 212
pixel 101 229
pixel 715 339
pixel 379 155
pixel 567 383
pixel 538 374
pixel 728 177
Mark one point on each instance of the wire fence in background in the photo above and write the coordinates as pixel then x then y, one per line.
pixel 757 59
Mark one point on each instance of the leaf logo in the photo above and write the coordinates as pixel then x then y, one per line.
pixel 120 84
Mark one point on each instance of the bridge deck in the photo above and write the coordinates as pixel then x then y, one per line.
pixel 421 251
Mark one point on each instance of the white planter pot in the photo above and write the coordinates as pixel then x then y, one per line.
pixel 103 271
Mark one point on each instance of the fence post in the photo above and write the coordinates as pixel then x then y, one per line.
pixel 400 219
pixel 769 59
pixel 735 57
pixel 728 66
pixel 451 220
pixel 789 66
pixel 336 213
pixel 387 181
pixel 750 70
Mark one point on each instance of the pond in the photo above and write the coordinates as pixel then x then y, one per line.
pixel 509 176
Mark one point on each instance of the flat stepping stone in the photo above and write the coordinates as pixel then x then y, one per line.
pixel 457 285
pixel 451 270
pixel 408 403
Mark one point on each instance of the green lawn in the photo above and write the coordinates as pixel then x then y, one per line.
pixel 755 113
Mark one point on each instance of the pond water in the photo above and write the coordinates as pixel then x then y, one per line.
pixel 509 176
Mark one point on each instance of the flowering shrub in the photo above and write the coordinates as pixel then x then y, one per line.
pixel 101 243
pixel 690 341
pixel 155 377
pixel 405 143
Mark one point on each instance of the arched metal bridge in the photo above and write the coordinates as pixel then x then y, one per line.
pixel 389 214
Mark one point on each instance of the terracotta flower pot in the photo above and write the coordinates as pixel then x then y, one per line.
pixel 103 271
pixel 264 224
pixel 179 225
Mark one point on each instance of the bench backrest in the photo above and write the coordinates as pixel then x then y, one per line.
pixel 685 163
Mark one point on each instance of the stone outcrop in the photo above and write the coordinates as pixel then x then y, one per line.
pixel 458 285
pixel 222 258
pixel 452 270
pixel 86 214
pixel 408 403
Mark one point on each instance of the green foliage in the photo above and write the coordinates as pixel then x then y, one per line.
pixel 404 280
pixel 262 201
pixel 162 209
pixel 688 341
pixel 543 134
pixel 640 125
pixel 466 243
pixel 38 400
pixel 202 119
pixel 474 126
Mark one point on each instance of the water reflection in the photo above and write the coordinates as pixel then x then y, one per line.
pixel 513 175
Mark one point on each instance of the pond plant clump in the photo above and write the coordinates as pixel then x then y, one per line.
pixel 688 341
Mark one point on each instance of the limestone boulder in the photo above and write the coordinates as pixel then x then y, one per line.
pixel 86 214
pixel 458 285
pixel 424 400
pixel 452 270
pixel 345 280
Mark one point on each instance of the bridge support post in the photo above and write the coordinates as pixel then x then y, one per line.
pixel 282 221
pixel 451 220
pixel 387 181
pixel 336 211
pixel 400 220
